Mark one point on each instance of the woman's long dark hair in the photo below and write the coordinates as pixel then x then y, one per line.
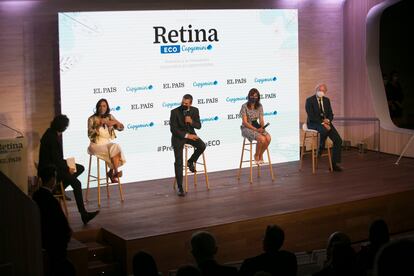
pixel 253 91
pixel 97 108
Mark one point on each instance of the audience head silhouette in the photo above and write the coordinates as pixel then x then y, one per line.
pixel 273 239
pixel 203 246
pixel 336 238
pixel 188 270
pixel 378 233
pixel 143 264
pixel 48 176
pixel 395 258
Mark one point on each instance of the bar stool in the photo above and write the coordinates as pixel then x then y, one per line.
pixel 60 196
pixel 187 172
pixel 248 146
pixel 98 179
pixel 312 137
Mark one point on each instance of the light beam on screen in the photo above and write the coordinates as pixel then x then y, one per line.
pixel 143 62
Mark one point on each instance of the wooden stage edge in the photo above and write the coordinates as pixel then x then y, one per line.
pixel 306 228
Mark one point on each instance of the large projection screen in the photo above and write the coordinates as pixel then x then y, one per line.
pixel 143 62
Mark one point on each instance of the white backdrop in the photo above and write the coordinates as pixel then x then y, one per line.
pixel 118 56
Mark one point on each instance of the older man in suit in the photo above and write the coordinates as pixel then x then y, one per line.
pixel 183 120
pixel 320 117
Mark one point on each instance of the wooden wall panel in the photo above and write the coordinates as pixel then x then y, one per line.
pixel 357 92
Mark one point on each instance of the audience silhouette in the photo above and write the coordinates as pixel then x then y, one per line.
pixel 395 258
pixel 204 248
pixel 378 236
pixel 273 260
pixel 56 232
pixel 143 264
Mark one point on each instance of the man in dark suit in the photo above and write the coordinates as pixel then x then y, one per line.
pixel 204 248
pixel 51 153
pixel 320 116
pixel 56 231
pixel 183 120
pixel 273 260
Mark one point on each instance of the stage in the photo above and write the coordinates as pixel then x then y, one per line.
pixel 308 206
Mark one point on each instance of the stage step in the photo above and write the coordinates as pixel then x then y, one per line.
pixel 99 267
pixel 99 251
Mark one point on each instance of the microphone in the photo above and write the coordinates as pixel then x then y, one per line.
pixel 266 125
pixel 18 131
pixel 186 112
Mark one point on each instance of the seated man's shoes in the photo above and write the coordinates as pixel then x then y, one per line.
pixel 181 193
pixel 191 167
pixel 88 216
pixel 336 168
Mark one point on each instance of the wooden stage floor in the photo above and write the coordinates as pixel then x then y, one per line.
pixel 309 207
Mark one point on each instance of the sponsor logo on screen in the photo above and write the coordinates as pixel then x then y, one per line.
pixel 137 126
pixel 263 80
pixel 236 99
pixel 268 96
pixel 271 113
pixel 170 104
pixel 208 101
pixel 209 119
pixel 142 106
pixel 176 40
pixel 139 88
pixel 236 81
pixel 105 90
pixel 233 116
pixel 172 85
pixel 201 84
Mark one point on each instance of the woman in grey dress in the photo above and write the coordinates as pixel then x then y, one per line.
pixel 251 128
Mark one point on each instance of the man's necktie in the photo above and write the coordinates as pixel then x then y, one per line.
pixel 321 107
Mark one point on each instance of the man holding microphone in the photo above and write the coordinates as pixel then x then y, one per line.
pixel 183 120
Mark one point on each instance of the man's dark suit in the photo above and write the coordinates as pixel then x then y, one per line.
pixel 276 263
pixel 212 268
pixel 51 153
pixel 179 129
pixel 315 119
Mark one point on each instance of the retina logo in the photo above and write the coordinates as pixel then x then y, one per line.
pixel 209 119
pixel 170 105
pixel 208 101
pixel 134 126
pixel 263 80
pixel 184 35
pixel 204 83
pixel 11 147
pixel 271 113
pixel 136 89
pixel 235 99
